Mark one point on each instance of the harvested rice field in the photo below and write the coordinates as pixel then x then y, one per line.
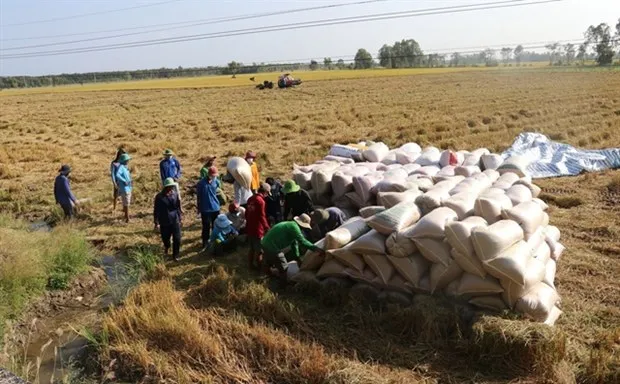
pixel 205 320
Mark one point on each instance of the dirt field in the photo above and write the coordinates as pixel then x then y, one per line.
pixel 449 110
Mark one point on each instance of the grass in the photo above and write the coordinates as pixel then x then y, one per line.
pixel 431 340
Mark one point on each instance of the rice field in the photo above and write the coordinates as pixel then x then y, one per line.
pixel 310 339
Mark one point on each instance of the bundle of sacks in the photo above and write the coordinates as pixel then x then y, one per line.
pixel 467 225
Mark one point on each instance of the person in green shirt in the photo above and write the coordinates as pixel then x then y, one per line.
pixel 281 244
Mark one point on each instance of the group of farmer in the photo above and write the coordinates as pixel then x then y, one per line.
pixel 277 222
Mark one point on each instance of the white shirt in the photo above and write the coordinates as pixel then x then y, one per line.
pixel 241 194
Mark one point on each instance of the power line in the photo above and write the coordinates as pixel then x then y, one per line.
pixel 89 14
pixel 289 26
pixel 198 23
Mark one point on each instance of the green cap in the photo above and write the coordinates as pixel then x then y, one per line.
pixel 291 186
pixel 168 152
pixel 124 158
pixel 169 182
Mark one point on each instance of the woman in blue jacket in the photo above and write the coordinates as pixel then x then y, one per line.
pixel 208 203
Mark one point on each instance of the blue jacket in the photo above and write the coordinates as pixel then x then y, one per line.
pixel 219 235
pixel 167 209
pixel 206 192
pixel 123 179
pixel 170 168
pixel 62 191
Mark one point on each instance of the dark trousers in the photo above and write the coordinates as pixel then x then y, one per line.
pixel 68 210
pixel 207 219
pixel 174 231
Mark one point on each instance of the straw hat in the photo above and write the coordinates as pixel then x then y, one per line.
pixel 303 221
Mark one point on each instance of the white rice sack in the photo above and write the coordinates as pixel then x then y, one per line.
pixel 292 269
pixel 556 249
pixel 528 215
pixel 432 225
pixel 535 273
pixel 519 194
pixel 356 200
pixel 430 156
pixel 313 260
pixel 346 233
pixel 467 170
pixel 395 219
pixel 411 168
pixel 445 173
pixel 552 233
pixel 424 184
pixel 393 167
pixel 240 171
pixel 339 159
pixel 543 253
pixel 427 170
pixel 304 168
pixel 381 266
pixel 537 239
pixel 491 161
pixel 424 286
pixel 550 270
pixel 449 183
pixel 344 203
pixel 511 264
pixel 506 181
pixel 492 174
pixel 303 179
pixel 371 243
pixel 474 157
pixel 411 148
pixel 304 277
pixel 363 185
pixel 367 212
pixel 397 291
pixel 366 276
pixel 458 235
pixel 398 245
pixel 407 158
pixel 553 316
pixel 539 302
pixel 491 303
pixel 490 207
pixel 348 258
pixel 322 180
pixel 346 151
pixel 442 275
pixel 451 290
pixel 472 285
pixel 435 251
pixel 390 158
pixel 515 164
pixel 411 268
pixel 371 167
pixel 489 242
pixel 475 184
pixel 390 199
pixel 341 184
pixel 534 189
pixel 331 268
pixel 449 157
pixel 432 199
pixel 376 152
pixel 462 203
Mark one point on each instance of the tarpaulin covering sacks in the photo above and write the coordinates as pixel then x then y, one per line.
pixel 371 243
pixel 489 242
pixel 240 171
pixel 435 251
pixel 472 285
pixel 399 245
pixel 313 260
pixel 411 268
pixel 376 152
pixel 458 235
pixel 539 302
pixel 346 233
pixel 395 219
pixel 367 212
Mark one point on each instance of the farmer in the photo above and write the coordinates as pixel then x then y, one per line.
pixel 113 168
pixel 257 225
pixel 123 180
pixel 169 166
pixel 236 214
pixel 223 237
pixel 241 194
pixel 274 201
pixel 326 220
pixel 168 216
pixel 250 157
pixel 62 192
pixel 208 203
pixel 296 200
pixel 281 244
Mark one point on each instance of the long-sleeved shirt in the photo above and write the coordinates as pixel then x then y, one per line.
pixel 297 203
pixel 206 193
pixel 255 177
pixel 219 234
pixel 62 191
pixel 170 168
pixel 113 168
pixel 286 235
pixel 335 219
pixel 274 202
pixel 167 209
pixel 242 194
pixel 256 217
pixel 123 179
pixel 238 218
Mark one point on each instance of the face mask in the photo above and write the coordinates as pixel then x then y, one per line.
pixel 250 161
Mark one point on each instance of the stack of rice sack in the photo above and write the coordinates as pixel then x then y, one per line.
pixel 464 224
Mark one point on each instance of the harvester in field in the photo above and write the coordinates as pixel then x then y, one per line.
pixel 287 81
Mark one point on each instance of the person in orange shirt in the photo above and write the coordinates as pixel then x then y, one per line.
pixel 250 157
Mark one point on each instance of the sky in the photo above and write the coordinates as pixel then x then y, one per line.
pixel 20 19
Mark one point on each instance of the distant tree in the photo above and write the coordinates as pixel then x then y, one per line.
pixel 506 53
pixel 233 67
pixel 456 59
pixel 488 57
pixel 363 59
pixel 433 60
pixel 617 41
pixel 569 52
pixel 314 65
pixel 601 36
pixel 583 53
pixel 518 52
pixel 552 49
pixel 385 56
pixel 327 62
pixel 340 64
